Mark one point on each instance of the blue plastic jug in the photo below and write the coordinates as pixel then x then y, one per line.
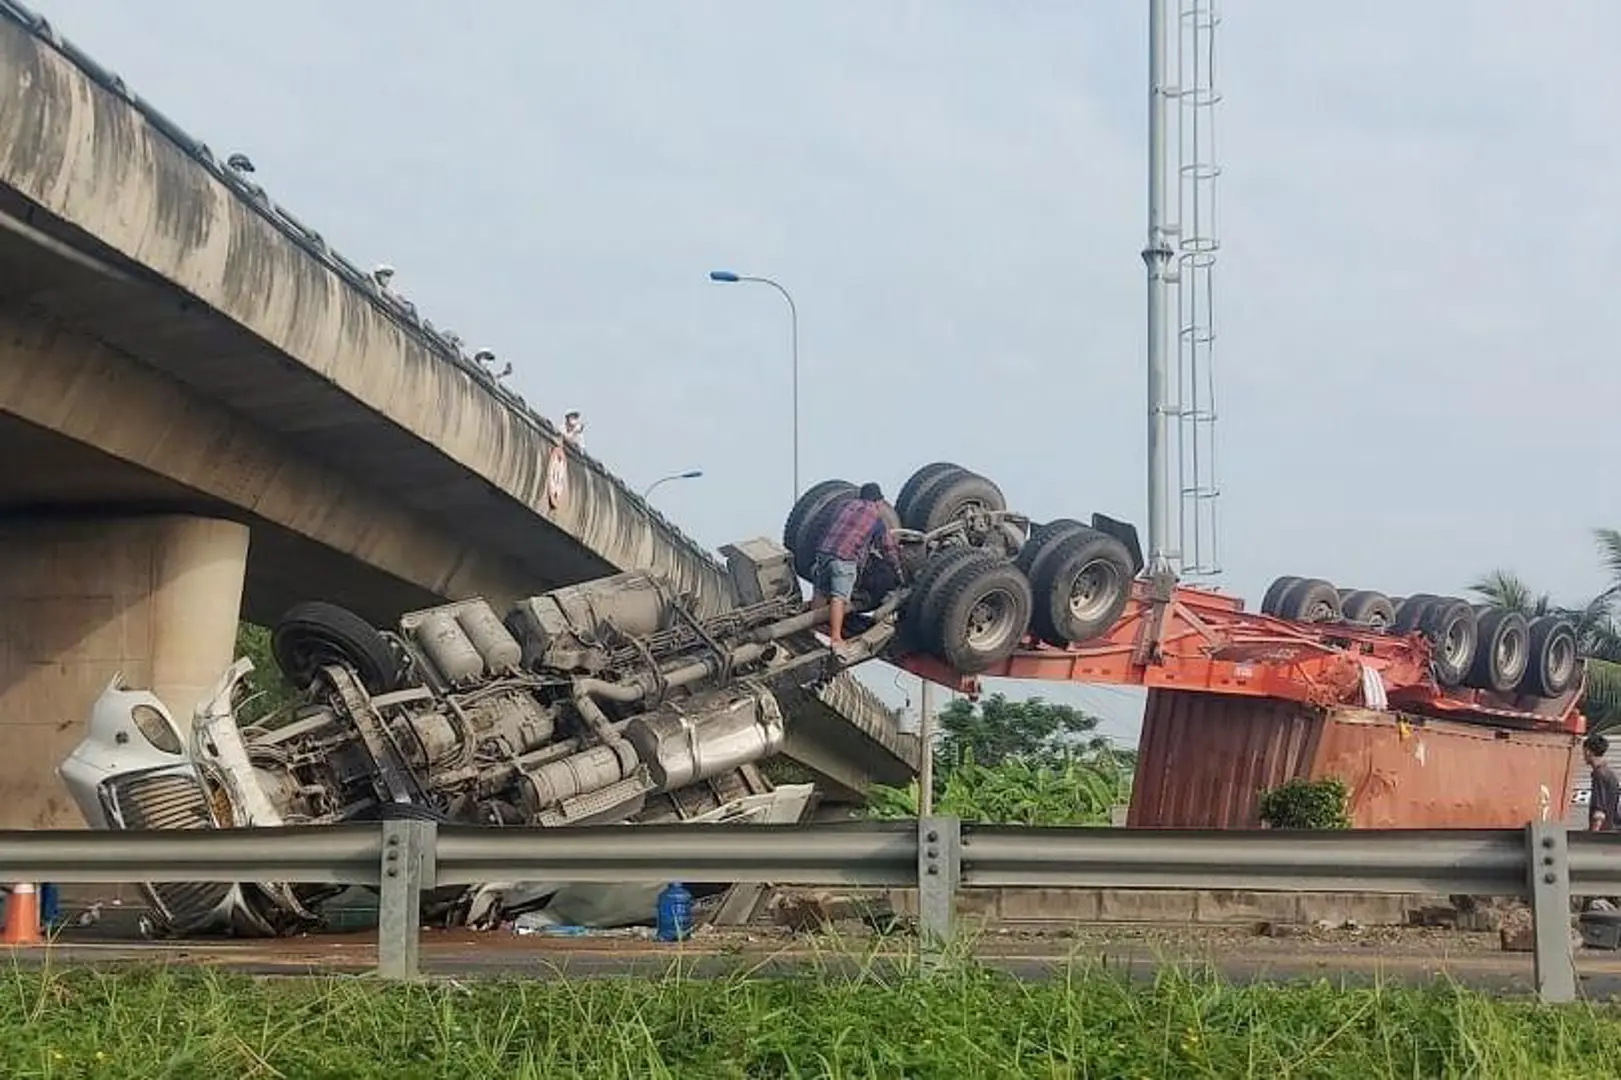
pixel 674 913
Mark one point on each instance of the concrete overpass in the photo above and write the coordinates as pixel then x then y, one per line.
pixel 207 411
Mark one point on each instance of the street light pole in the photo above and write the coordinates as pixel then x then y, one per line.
pixel 727 277
pixel 690 474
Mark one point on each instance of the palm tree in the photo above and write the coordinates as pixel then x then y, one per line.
pixel 1598 628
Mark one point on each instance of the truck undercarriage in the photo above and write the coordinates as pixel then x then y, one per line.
pixel 607 701
pixel 611 701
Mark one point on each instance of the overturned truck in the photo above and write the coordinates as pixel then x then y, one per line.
pixel 612 701
pixel 608 701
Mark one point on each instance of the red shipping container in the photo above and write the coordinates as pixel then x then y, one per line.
pixel 1204 759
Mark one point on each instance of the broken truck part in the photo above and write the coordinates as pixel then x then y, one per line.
pixel 608 701
pixel 611 701
pixel 1392 694
pixel 994 595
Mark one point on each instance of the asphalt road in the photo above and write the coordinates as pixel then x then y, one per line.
pixel 1239 954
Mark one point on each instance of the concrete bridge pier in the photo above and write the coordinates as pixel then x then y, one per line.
pixel 82 599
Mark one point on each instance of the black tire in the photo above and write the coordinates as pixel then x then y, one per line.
pixel 1044 540
pixel 984 614
pixel 1502 650
pixel 795 535
pixel 1410 612
pixel 949 498
pixel 876 581
pixel 1454 634
pixel 1555 663
pixel 1274 594
pixel 1310 600
pixel 920 480
pixel 314 634
pixel 1367 608
pixel 922 604
pixel 1082 589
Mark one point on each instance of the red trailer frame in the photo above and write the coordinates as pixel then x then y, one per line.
pixel 1184 638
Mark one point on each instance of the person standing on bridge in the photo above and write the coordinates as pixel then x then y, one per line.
pixel 845 547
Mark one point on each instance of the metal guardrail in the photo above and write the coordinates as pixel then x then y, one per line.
pixel 1542 863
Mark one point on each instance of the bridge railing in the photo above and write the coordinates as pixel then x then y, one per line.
pixel 1545 864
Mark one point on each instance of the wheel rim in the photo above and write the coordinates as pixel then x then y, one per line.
pixel 1093 591
pixel 1318 611
pixel 308 653
pixel 1561 659
pixel 1510 656
pixel 992 619
pixel 1455 643
pixel 966 509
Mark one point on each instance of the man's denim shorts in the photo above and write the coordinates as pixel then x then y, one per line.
pixel 835 577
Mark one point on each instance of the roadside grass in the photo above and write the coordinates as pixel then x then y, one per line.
pixel 961 1021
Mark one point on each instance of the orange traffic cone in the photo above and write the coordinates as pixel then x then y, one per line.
pixel 22 916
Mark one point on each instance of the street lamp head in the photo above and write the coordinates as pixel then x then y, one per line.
pixel 722 275
pixel 691 474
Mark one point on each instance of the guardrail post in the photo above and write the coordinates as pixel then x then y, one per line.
pixel 1549 868
pixel 939 867
pixel 407 868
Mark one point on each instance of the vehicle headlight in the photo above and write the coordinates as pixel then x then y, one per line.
pixel 156 729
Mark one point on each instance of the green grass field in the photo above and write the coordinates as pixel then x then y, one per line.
pixel 962 1022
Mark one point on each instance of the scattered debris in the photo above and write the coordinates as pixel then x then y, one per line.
pixel 1276 930
pixel 1517 932
pixel 1600 928
pixel 819 912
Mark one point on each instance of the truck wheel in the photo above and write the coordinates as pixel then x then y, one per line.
pixel 1502 650
pixel 1410 612
pixel 1309 600
pixel 1554 663
pixel 1044 540
pixel 797 535
pixel 922 611
pixel 1082 589
pixel 1274 594
pixel 920 480
pixel 984 611
pixel 1453 632
pixel 878 579
pixel 314 634
pixel 1367 608
pixel 950 498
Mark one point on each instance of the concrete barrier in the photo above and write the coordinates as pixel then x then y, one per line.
pixel 1227 907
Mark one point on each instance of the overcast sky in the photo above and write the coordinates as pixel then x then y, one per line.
pixel 1416 283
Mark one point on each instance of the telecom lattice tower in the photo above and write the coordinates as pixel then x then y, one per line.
pixel 1181 256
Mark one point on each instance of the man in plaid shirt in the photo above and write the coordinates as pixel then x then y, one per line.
pixel 844 549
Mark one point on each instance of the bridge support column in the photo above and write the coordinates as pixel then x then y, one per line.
pixel 155 598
